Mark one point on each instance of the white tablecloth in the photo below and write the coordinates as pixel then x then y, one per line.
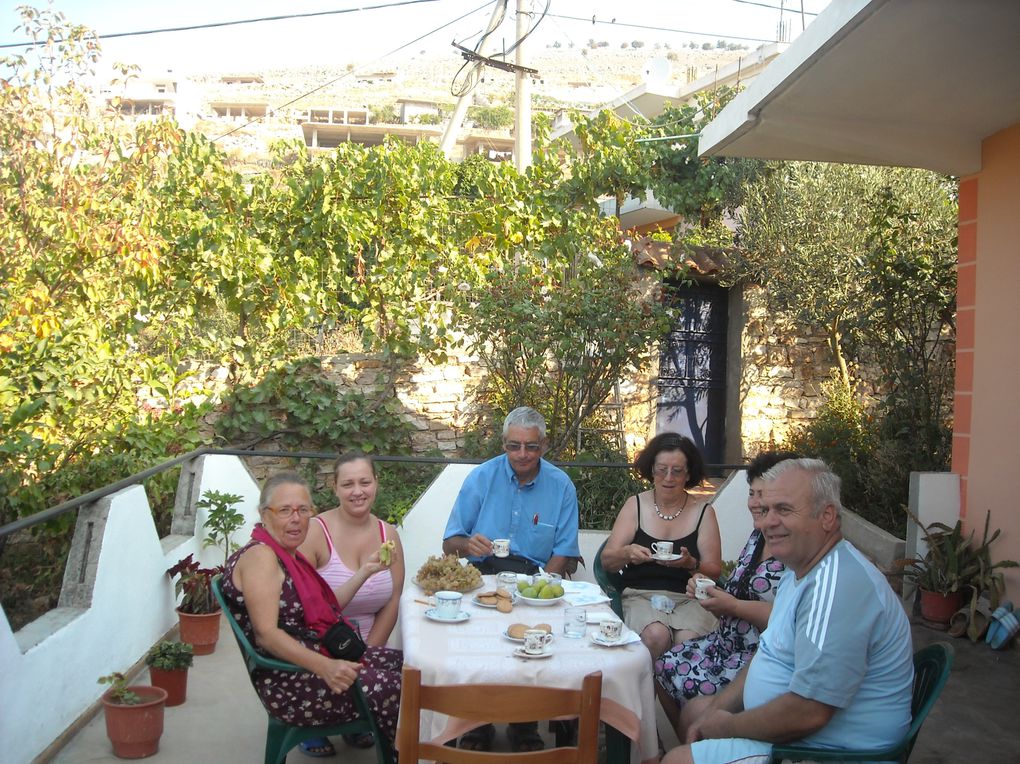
pixel 476 651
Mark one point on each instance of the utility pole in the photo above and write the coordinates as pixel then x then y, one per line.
pixel 522 119
pixel 450 136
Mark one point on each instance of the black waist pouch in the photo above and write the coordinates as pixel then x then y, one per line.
pixel 343 641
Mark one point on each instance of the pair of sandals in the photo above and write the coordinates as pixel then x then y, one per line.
pixel 320 747
pixel 1002 627
pixel 523 737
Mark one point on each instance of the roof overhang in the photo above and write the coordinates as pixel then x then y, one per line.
pixel 915 83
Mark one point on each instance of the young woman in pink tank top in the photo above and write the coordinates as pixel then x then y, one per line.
pixel 343 543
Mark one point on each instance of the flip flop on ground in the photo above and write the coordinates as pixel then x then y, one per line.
pixel 524 737
pixel 360 740
pixel 317 748
pixel 478 739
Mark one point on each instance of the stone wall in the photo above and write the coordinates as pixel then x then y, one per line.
pixel 782 371
pixel 439 401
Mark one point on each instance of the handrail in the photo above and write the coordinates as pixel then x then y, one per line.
pixel 67 506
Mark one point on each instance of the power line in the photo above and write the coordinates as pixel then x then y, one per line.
pixel 216 24
pixel 800 12
pixel 615 23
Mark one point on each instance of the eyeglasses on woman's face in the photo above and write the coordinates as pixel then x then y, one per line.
pixel 662 470
pixel 288 511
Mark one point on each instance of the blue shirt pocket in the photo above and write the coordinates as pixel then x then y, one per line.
pixel 542 538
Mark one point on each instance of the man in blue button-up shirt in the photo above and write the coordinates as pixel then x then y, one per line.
pixel 521 497
pixel 517 496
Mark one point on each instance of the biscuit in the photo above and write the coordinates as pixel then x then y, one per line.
pixel 516 630
pixel 504 605
pixel 503 593
pixel 544 627
pixel 488 599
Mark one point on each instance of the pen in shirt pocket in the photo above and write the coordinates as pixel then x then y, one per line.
pixel 534 520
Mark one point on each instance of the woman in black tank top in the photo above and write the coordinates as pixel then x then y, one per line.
pixel 667 512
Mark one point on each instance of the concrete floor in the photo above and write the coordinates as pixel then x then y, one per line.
pixel 222 721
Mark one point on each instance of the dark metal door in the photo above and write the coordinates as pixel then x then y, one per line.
pixel 692 370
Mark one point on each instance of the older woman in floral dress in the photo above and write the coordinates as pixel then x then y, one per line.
pixel 285 607
pixel 702 666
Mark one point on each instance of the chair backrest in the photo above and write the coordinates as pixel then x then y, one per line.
pixel 611 583
pixel 498 703
pixel 252 659
pixel 932 665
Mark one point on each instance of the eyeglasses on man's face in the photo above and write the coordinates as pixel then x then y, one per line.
pixel 286 512
pixel 662 470
pixel 513 446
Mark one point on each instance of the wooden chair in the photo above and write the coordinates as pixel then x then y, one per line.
pixel 498 703
pixel 282 737
pixel 931 671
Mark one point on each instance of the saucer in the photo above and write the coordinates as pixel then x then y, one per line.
pixel 432 615
pixel 598 639
pixel 665 557
pixel 476 603
pixel 519 652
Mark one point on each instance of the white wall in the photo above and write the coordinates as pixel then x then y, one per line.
pixel 49 668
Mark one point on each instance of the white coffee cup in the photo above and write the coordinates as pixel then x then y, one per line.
pixel 501 547
pixel 611 630
pixel 662 548
pixel 448 604
pixel 701 587
pixel 535 641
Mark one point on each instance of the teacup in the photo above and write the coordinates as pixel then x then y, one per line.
pixel 501 547
pixel 611 630
pixel 448 604
pixel 701 587
pixel 535 641
pixel 662 548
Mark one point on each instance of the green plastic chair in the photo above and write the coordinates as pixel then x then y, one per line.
pixel 931 670
pixel 611 583
pixel 282 737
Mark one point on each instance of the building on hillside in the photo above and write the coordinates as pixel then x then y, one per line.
pixel 950 104
pixel 154 96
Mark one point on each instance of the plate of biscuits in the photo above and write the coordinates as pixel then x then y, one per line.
pixel 500 599
pixel 515 631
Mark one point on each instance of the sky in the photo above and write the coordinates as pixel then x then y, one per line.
pixel 368 33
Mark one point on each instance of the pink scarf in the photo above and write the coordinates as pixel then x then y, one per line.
pixel 318 603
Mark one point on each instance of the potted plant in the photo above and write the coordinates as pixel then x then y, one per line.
pixel 199 613
pixel 134 716
pixel 952 570
pixel 168 664
pixel 222 519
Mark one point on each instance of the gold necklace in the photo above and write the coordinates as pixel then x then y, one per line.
pixel 678 512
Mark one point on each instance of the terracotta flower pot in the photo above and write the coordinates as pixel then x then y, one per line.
pixel 174 681
pixel 201 630
pixel 937 609
pixel 135 730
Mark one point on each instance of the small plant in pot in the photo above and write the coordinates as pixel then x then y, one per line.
pixel 199 613
pixel 134 716
pixel 168 664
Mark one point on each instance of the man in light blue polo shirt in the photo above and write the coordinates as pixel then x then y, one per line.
pixel 517 496
pixel 521 497
pixel 834 667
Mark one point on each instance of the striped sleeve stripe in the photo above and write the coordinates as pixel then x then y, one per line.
pixel 822 600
